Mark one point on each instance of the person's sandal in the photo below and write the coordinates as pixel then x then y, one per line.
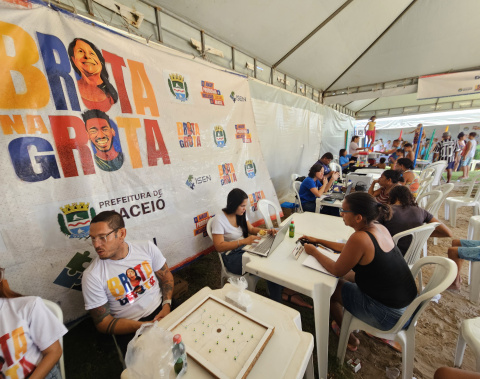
pixel 336 330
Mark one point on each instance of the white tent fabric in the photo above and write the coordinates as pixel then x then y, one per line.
pixel 294 132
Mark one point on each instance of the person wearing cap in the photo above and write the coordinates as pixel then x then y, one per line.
pixel 446 150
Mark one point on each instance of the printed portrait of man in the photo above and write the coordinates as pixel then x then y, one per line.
pixel 102 135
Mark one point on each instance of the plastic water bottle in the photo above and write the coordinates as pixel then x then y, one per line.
pixel 291 230
pixel 179 355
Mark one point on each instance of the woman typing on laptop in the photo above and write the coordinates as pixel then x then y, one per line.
pixel 231 231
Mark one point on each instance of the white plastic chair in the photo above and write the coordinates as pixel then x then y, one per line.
pixel 296 187
pixel 438 166
pixel 225 274
pixel 420 236
pixel 57 311
pixel 455 202
pixel 428 172
pixel 469 333
pixel 446 189
pixel 444 274
pixel 264 208
pixel 294 177
pixel 473 164
pixel 335 167
pixel 473 266
pixel 430 200
pixel 425 186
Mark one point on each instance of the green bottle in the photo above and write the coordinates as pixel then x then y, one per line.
pixel 291 230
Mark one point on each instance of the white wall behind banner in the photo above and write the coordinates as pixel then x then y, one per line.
pixel 294 131
pixel 185 130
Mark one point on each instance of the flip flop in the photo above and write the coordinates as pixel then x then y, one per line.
pixel 336 330
pixel 393 344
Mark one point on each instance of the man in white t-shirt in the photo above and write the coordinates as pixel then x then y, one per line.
pixel 121 286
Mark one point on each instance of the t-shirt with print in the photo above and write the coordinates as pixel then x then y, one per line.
pixel 404 219
pixel 305 194
pixel 447 149
pixel 27 327
pixel 129 285
pixel 221 225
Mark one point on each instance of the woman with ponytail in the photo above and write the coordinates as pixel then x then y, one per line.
pixel 406 214
pixel 27 319
pixel 376 284
pixel 231 231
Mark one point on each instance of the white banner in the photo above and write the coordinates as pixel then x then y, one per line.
pixel 92 121
pixel 444 85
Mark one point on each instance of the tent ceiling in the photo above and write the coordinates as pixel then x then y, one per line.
pixel 432 36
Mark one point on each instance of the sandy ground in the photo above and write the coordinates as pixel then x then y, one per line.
pixel 438 326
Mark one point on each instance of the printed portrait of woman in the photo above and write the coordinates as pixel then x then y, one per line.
pixel 135 281
pixel 92 76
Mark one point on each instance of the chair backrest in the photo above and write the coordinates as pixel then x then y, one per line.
pixel 294 176
pixel 419 235
pixel 428 172
pixel 264 208
pixel 425 186
pixel 443 276
pixel 209 227
pixel 446 189
pixel 438 167
pixel 430 201
pixel 470 188
pixel 296 187
pixel 335 167
pixel 57 311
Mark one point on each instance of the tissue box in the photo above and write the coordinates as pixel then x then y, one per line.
pixel 354 365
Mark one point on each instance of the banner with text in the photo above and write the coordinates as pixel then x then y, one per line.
pixel 93 121
pixel 444 85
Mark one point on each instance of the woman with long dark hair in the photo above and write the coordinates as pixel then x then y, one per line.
pixel 387 181
pixel 95 88
pixel 231 231
pixel 406 214
pixel 377 284
pixel 28 320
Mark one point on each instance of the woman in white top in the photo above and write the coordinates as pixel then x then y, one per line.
pixel 231 231
pixel 31 348
pixel 353 148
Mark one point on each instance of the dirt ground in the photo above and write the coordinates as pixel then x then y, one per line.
pixel 438 326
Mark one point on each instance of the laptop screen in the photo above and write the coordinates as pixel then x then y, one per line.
pixel 349 189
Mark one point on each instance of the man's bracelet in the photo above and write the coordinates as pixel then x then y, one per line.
pixel 169 302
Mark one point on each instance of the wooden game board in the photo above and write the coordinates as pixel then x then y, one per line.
pixel 223 339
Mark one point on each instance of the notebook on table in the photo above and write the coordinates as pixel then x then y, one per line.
pixel 267 244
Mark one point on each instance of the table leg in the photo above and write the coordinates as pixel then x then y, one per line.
pixel 309 374
pixel 322 313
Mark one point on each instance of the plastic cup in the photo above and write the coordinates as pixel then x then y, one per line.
pixel 392 372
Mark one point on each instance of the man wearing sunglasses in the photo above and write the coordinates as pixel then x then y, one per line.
pixel 113 300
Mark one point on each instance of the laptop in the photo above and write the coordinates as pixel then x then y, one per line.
pixel 341 195
pixel 268 244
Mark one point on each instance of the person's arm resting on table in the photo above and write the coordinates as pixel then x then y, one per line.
pixel 221 245
pixel 352 254
pixel 336 246
pixel 106 323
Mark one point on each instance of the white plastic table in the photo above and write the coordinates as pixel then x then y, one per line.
pixel 319 202
pixel 288 354
pixel 281 267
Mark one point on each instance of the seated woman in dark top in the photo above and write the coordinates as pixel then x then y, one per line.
pixel 381 285
pixel 407 215
pixel 315 185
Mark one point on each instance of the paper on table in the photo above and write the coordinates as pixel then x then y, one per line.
pixel 313 263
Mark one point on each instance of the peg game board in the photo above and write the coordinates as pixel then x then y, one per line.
pixel 223 339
